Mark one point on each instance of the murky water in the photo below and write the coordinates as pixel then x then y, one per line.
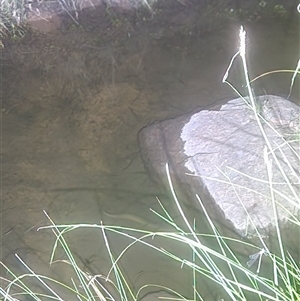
pixel 73 104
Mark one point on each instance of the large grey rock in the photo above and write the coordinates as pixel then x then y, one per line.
pixel 220 153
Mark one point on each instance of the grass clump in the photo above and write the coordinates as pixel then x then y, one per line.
pixel 12 16
pixel 14 13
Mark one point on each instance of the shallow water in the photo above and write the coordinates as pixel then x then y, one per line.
pixel 74 102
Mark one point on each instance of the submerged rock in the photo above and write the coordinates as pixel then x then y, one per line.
pixel 222 155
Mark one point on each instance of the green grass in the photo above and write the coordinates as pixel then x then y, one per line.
pixel 238 279
pixel 14 13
